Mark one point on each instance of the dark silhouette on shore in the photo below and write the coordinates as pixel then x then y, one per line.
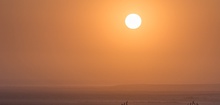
pixel 126 103
pixel 193 103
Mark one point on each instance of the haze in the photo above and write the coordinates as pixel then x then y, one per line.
pixel 79 42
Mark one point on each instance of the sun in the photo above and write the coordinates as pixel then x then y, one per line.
pixel 133 21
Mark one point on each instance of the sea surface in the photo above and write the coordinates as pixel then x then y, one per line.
pixel 17 96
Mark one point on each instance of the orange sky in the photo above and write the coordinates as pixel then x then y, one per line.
pixel 83 42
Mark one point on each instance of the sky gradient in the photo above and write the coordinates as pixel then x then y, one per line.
pixel 86 42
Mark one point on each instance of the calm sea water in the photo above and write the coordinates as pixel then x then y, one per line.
pixel 27 97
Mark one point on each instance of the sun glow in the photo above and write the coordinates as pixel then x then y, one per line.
pixel 133 21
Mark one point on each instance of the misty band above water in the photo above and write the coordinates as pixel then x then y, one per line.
pixel 110 95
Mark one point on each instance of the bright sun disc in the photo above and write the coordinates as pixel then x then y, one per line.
pixel 133 21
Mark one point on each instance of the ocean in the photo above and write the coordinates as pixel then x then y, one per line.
pixel 73 96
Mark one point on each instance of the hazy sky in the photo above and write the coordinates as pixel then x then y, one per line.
pixel 85 42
